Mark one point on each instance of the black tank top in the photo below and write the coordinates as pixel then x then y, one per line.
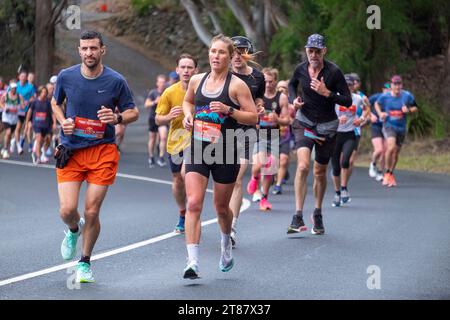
pixel 209 126
pixel 271 105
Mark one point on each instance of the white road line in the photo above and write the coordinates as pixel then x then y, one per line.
pixel 245 206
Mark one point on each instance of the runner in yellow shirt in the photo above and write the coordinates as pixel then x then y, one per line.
pixel 169 111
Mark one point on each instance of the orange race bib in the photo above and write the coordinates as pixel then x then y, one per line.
pixel 264 121
pixel 396 114
pixel 90 129
pixel 207 131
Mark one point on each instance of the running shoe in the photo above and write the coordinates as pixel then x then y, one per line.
pixel 226 262
pixel 277 190
pixel 191 271
pixel 252 185
pixel 84 273
pixel 5 154
pixel 69 244
pixel 34 158
pixel 345 196
pixel 318 227
pixel 336 200
pixel 151 162
pixel 372 170
pixel 386 178
pixel 179 228
pixel 44 159
pixel 161 162
pixel 392 182
pixel 257 196
pixel 19 149
pixel 265 205
pixel 49 152
pixel 379 176
pixel 297 225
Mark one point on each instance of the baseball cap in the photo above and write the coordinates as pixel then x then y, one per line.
pixel 355 76
pixel 174 75
pixel 315 41
pixel 396 79
pixel 53 79
pixel 13 85
pixel 243 42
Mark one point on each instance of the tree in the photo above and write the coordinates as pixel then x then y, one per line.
pixel 48 14
pixel 258 19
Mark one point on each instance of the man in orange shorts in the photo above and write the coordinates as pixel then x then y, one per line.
pixel 88 151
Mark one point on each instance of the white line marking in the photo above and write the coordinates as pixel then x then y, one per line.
pixel 246 204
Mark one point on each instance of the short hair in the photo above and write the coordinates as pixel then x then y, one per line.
pixel 41 88
pixel 92 34
pixel 161 76
pixel 273 72
pixel 187 56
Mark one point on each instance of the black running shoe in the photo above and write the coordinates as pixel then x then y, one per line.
pixel 318 227
pixel 297 225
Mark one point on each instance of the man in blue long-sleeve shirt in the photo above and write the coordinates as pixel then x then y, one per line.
pixel 322 87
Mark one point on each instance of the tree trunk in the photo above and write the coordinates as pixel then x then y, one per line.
pixel 44 41
pixel 203 34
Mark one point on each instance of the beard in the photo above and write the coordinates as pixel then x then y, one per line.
pixel 91 65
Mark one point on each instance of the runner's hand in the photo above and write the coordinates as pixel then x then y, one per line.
pixel 260 109
pixel 320 87
pixel 405 109
pixel 298 103
pixel 383 116
pixel 373 118
pixel 68 126
pixel 175 112
pixel 188 122
pixel 273 117
pixel 342 119
pixel 217 106
pixel 106 115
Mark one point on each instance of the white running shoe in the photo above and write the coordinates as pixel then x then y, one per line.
pixel 84 273
pixel 69 244
pixel 191 271
pixel 372 170
pixel 257 196
pixel 12 146
pixel 226 262
pixel 379 176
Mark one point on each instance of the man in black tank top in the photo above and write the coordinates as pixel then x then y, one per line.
pixel 214 104
pixel 276 113
pixel 254 79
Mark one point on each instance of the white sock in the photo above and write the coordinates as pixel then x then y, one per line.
pixel 192 250
pixel 233 225
pixel 226 240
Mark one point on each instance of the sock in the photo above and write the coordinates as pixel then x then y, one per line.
pixel 192 250
pixel 256 178
pixel 234 223
pixel 85 259
pixel 388 171
pixel 299 213
pixel 374 164
pixel 317 211
pixel 182 213
pixel 344 188
pixel 75 230
pixel 338 192
pixel 226 239
pixel 264 196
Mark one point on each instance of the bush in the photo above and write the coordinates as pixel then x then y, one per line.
pixel 429 121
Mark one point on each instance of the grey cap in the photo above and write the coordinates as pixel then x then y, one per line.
pixel 316 41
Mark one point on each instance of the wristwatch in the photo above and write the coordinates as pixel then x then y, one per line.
pixel 119 118
pixel 230 111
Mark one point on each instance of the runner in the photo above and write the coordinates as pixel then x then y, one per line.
pixel 169 112
pixel 12 103
pixel 219 101
pixel 41 116
pixel 27 92
pixel 150 103
pixel 276 114
pixel 377 137
pixel 243 55
pixel 396 105
pixel 346 140
pixel 323 85
pixel 92 91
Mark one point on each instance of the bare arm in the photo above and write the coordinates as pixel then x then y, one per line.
pixel 188 102
pixel 285 118
pixel 247 113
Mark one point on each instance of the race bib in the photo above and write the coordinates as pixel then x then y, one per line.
pixel 40 116
pixel 90 129
pixel 351 109
pixel 12 109
pixel 396 114
pixel 264 121
pixel 207 131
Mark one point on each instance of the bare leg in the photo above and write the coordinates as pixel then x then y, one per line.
pixel 320 183
pixel 301 176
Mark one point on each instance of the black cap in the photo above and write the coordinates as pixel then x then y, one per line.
pixel 316 41
pixel 243 42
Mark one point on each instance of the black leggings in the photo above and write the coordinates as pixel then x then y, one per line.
pixel 345 144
